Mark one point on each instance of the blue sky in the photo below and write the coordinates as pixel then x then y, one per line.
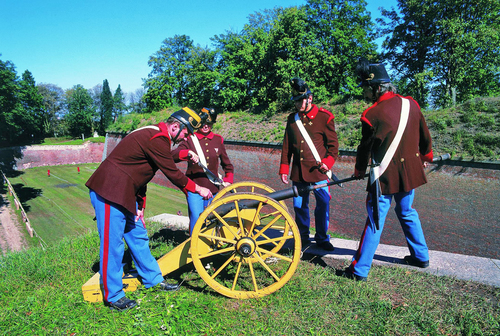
pixel 69 42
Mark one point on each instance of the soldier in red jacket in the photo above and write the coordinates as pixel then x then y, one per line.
pixel 395 136
pixel 309 168
pixel 118 195
pixel 209 147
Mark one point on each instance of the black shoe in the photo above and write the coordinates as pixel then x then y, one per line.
pixel 305 243
pixel 415 262
pixel 349 275
pixel 123 304
pixel 165 286
pixel 327 246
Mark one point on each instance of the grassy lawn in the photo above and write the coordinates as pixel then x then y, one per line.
pixel 59 205
pixel 394 301
pixel 71 141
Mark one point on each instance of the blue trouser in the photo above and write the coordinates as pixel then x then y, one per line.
pixel 115 224
pixel 321 212
pixel 196 205
pixel 408 218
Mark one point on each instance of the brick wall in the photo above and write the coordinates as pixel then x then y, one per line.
pixel 19 158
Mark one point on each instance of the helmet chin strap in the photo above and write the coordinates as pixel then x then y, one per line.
pixel 181 127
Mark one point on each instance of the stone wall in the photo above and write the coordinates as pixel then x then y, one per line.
pixel 25 157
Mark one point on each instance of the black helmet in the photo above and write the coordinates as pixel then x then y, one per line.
pixel 371 74
pixel 190 118
pixel 300 90
pixel 211 113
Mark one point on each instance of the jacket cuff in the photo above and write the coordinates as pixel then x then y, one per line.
pixel 190 186
pixel 284 169
pixel 427 157
pixel 329 161
pixel 184 154
pixel 141 202
pixel 228 178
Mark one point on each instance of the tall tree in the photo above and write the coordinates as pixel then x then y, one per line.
pixel 167 82
pixel 10 106
pixel 119 106
pixel 53 97
pixel 343 32
pixel 107 105
pixel 80 111
pixel 444 48
pixel 33 109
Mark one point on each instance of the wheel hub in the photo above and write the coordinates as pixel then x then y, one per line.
pixel 246 247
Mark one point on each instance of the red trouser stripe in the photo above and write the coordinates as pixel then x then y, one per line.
pixel 105 252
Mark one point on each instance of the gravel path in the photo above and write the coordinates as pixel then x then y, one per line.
pixel 11 238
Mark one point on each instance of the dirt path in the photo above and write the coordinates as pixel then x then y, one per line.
pixel 11 237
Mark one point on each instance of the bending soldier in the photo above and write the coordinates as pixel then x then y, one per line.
pixel 118 194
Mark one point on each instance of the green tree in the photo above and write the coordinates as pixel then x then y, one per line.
pixel 119 106
pixel 9 103
pixel 167 82
pixel 33 114
pixel 343 33
pixel 444 49
pixel 81 111
pixel 107 106
pixel 53 102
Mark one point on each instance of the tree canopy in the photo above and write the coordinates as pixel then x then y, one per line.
pixel 444 51
pixel 251 69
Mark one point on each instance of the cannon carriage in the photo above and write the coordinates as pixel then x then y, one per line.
pixel 245 244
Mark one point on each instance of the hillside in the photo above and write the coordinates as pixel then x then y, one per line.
pixel 470 131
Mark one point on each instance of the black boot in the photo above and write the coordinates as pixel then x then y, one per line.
pixel 122 305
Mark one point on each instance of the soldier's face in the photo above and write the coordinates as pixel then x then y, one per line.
pixel 368 94
pixel 181 134
pixel 303 105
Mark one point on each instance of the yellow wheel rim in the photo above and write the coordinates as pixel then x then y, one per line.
pixel 246 187
pixel 245 245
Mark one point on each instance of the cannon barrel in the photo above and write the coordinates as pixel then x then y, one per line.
pixel 276 195
pixel 252 204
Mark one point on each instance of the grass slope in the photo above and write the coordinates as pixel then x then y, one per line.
pixel 467 131
pixel 40 294
pixel 59 205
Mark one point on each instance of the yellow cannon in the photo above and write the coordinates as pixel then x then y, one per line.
pixel 244 245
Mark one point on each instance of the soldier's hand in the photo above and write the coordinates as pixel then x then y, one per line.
pixel 204 192
pixel 323 167
pixel 359 175
pixel 140 216
pixel 193 157
pixel 284 178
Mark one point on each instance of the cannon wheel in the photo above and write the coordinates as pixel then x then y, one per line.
pixel 251 252
pixel 246 187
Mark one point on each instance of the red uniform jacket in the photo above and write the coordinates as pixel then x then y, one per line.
pixel 214 150
pixel 320 125
pixel 122 177
pixel 379 125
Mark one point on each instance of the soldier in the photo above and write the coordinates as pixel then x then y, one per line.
pixel 310 138
pixel 118 194
pixel 208 148
pixel 396 137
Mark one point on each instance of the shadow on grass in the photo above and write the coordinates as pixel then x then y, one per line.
pixel 25 194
